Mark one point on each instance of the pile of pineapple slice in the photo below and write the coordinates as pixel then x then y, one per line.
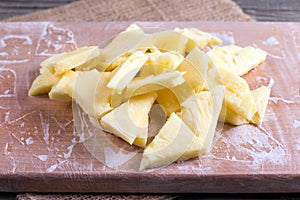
pixel 119 84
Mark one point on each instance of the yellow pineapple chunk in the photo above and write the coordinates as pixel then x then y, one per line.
pixel 48 62
pixel 238 96
pixel 78 58
pixel 237 59
pixel 142 85
pixel 169 41
pixel 174 141
pixel 161 62
pixel 119 61
pixel 195 67
pixel 229 116
pixel 129 121
pixel 64 89
pixel 168 101
pixel 91 93
pixel 43 83
pixel 261 96
pixel 197 38
pixel 131 39
pixel 209 105
pixel 201 111
pixel 127 71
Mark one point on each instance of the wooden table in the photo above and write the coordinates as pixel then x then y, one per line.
pixel 261 10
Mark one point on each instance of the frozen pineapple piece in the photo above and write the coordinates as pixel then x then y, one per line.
pixel 133 38
pixel 209 105
pixel 43 83
pixel 188 104
pixel 201 111
pixel 195 67
pixel 261 96
pixel 237 59
pixel 238 96
pixel 169 41
pixel 119 61
pixel 63 90
pixel 196 149
pixel 229 116
pixel 78 58
pixel 91 93
pixel 142 85
pixel 197 38
pixel 168 101
pixel 147 70
pixel 178 98
pixel 127 71
pixel 161 62
pixel 47 62
pixel 174 141
pixel 129 121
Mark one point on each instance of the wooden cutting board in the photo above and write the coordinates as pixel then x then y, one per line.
pixel 40 151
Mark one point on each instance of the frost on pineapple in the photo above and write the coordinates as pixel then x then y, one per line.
pixel 15 48
pixel 7 82
pixel 55 40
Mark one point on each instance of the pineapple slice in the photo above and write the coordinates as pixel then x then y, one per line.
pixel 119 61
pixel 237 59
pixel 238 96
pixel 91 93
pixel 63 90
pixel 168 101
pixel 196 149
pixel 43 83
pixel 229 116
pixel 142 85
pixel 129 121
pixel 131 39
pixel 197 38
pixel 53 68
pixel 261 96
pixel 195 67
pixel 209 105
pixel 165 62
pixel 179 98
pixel 127 71
pixel 169 41
pixel 201 111
pixel 48 62
pixel 173 142
pixel 79 58
pixel 161 62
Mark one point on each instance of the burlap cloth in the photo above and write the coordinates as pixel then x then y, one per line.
pixel 133 10
pixel 141 10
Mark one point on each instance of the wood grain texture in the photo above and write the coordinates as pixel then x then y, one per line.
pixel 40 150
pixel 19 7
pixel 270 10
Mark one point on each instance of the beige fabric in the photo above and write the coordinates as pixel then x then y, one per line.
pixel 141 10
pixel 133 10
